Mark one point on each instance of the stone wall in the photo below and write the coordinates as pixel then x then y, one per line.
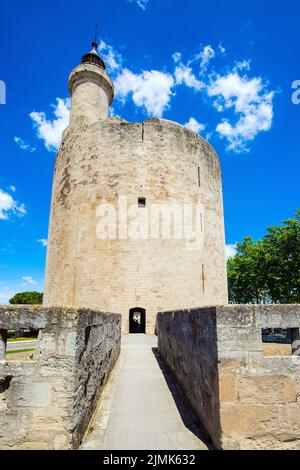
pixel 158 160
pixel 245 399
pixel 47 402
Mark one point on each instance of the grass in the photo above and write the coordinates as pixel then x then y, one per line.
pixel 15 340
pixel 20 351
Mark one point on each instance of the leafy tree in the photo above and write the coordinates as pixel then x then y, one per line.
pixel 282 246
pixel 267 271
pixel 27 298
pixel 246 273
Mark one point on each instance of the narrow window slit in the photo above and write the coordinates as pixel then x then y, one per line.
pixel 203 278
pixel 142 202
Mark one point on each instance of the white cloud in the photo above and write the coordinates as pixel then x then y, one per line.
pixel 177 57
pixel 43 242
pixel 251 103
pixel 9 207
pixel 50 131
pixel 195 126
pixel 248 99
pixel 29 281
pixel 111 57
pixel 237 91
pixel 12 188
pixel 184 76
pixel 151 90
pixel 20 209
pixel 24 145
pixel 231 251
pixel 221 48
pixel 242 65
pixel 206 56
pixel 141 3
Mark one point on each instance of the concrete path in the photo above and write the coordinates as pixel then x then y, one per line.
pixel 142 408
pixel 18 345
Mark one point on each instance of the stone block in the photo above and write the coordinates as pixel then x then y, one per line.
pixel 38 445
pixel 271 349
pixel 239 338
pixel 240 316
pixel 277 316
pixel 56 366
pixel 13 427
pixel 231 365
pixel 71 343
pixel 269 442
pixel 266 389
pixel 62 441
pixel 29 392
pixel 18 368
pixel 293 418
pixel 227 388
pixel 286 365
pixel 250 419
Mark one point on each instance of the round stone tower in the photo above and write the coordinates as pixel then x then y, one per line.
pixel 91 90
pixel 136 223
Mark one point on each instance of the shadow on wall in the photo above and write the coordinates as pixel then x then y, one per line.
pixel 188 343
pixel 245 398
pixel 188 415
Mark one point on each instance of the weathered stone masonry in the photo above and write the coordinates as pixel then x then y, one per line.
pixel 244 399
pixel 47 402
pixel 157 160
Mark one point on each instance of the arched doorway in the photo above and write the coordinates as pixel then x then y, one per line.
pixel 137 321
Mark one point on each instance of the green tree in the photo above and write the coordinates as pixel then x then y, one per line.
pixel 282 246
pixel 246 273
pixel 267 270
pixel 27 298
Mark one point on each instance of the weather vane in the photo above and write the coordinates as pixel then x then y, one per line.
pixel 96 34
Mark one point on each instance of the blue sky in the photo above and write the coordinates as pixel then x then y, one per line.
pixel 223 68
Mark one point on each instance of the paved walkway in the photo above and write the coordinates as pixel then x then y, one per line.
pixel 18 345
pixel 142 408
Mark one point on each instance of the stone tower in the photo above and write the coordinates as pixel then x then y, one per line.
pixel 128 200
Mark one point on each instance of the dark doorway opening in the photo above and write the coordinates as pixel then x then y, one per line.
pixel 137 321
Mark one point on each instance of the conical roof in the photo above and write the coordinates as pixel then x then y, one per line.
pixel 93 57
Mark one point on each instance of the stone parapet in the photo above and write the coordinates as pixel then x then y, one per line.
pixel 47 402
pixel 244 398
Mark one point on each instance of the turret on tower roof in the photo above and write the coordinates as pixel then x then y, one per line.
pixel 91 89
pixel 93 57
